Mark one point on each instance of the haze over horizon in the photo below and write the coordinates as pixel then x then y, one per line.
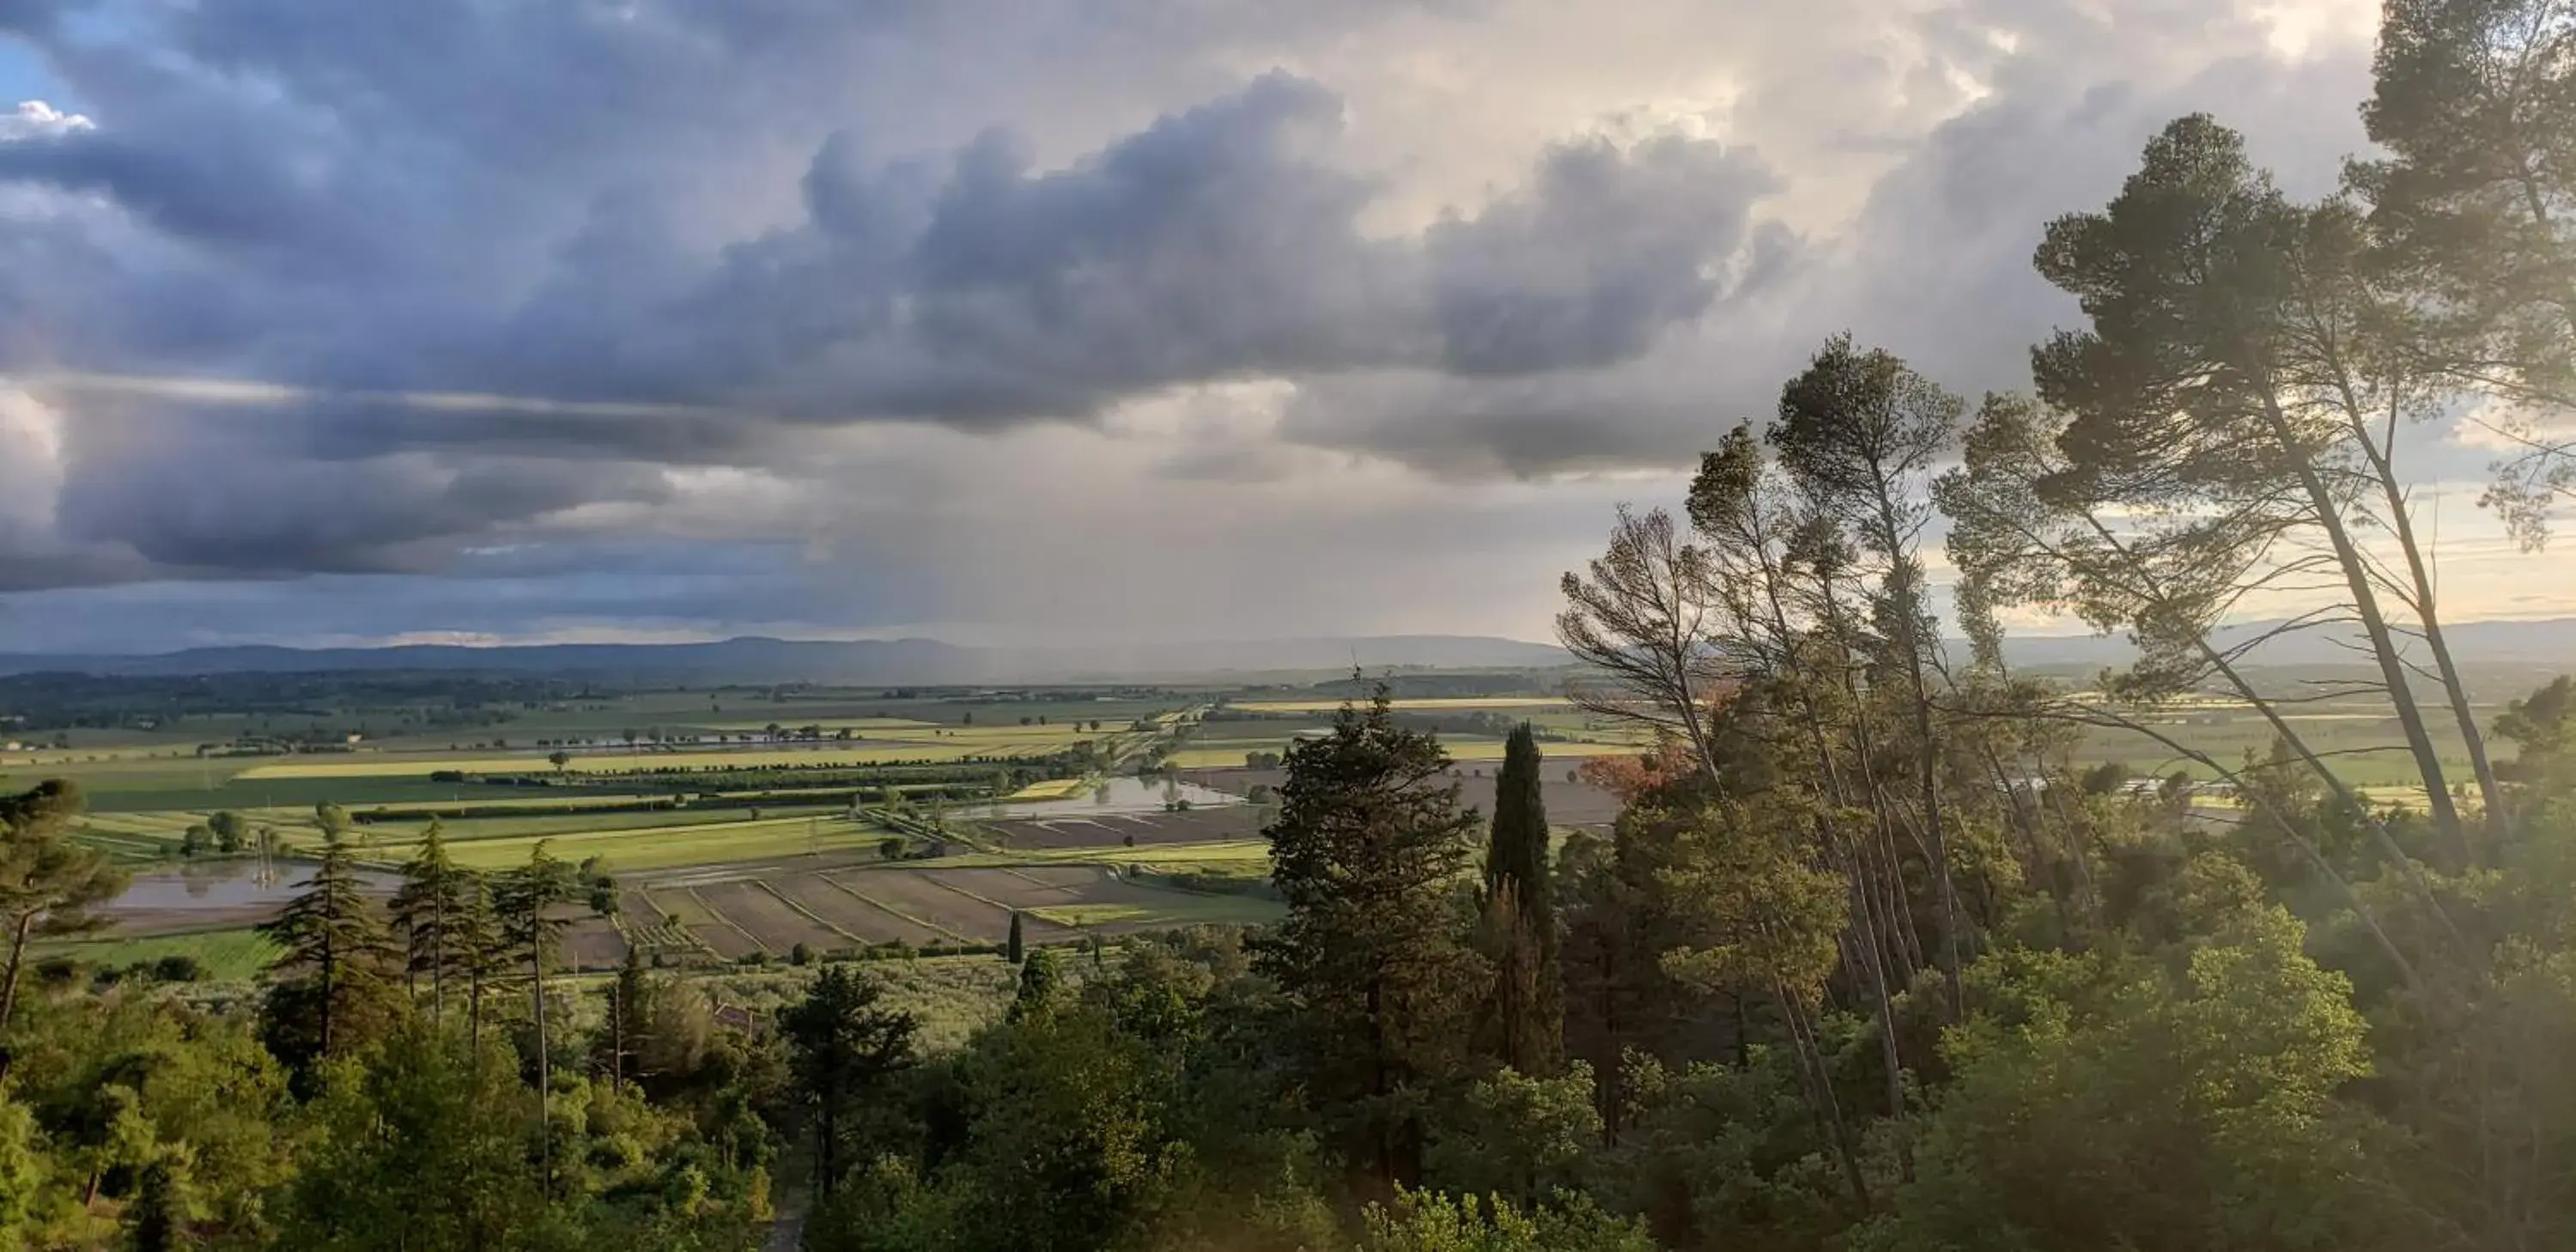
pixel 670 320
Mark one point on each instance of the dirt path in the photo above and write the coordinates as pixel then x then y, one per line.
pixel 787 1230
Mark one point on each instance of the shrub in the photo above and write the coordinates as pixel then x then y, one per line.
pixel 179 967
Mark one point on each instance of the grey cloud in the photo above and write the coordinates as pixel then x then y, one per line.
pixel 1216 243
pixel 1936 267
pixel 1600 254
pixel 227 509
pixel 804 215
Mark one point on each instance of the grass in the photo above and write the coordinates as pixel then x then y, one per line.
pixel 228 955
pixel 1053 789
pixel 1461 750
pixel 574 824
pixel 2411 797
pixel 1181 909
pixel 385 766
pixel 1184 855
pixel 1461 704
pixel 665 847
pixel 950 997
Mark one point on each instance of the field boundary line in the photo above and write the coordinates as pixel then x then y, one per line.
pixel 882 906
pixel 942 883
pixel 1034 880
pixel 721 916
pixel 809 914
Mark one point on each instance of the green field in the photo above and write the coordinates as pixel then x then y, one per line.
pixel 228 955
pixel 698 842
pixel 2360 738
pixel 387 765
pixel 1220 856
pixel 1211 910
pixel 1229 754
pixel 1462 704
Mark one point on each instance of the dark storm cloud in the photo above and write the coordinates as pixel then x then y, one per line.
pixel 1216 243
pixel 1937 267
pixel 275 516
pixel 750 222
pixel 1599 255
pixel 362 225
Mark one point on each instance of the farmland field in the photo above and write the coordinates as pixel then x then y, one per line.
pixel 699 842
pixel 925 903
pixel 1203 755
pixel 874 752
pixel 1428 705
pixel 867 916
pixel 227 955
pixel 1108 830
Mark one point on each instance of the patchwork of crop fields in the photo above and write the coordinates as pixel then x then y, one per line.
pixel 625 849
pixel 963 746
pixel 1472 734
pixel 949 903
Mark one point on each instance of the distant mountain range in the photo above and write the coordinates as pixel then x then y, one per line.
pixel 931 662
pixel 891 661
pixel 2545 642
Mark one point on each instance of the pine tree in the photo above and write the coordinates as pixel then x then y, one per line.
pixel 1371 855
pixel 1526 1012
pixel 1014 951
pixel 334 948
pixel 46 883
pixel 530 903
pixel 425 913
pixel 842 1046
pixel 628 1001
pixel 478 951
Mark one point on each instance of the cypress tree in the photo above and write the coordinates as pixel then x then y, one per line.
pixel 1525 1015
pixel 1014 950
pixel 1038 982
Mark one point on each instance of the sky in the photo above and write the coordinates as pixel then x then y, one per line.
pixel 1047 320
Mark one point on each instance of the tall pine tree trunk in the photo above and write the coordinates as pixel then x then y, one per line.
pixel 545 1075
pixel 17 958
pixel 2374 625
pixel 1907 594
pixel 2401 524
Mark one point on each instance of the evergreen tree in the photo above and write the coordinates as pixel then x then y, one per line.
pixel 1014 950
pixel 477 947
pixel 2473 211
pixel 46 882
pixel 843 1046
pixel 334 951
pixel 1039 979
pixel 1526 1012
pixel 1371 855
pixel 425 914
pixel 160 1212
pixel 531 903
pixel 629 1003
pixel 1858 433
pixel 2229 381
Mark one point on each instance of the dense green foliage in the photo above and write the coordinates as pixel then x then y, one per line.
pixel 1867 963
